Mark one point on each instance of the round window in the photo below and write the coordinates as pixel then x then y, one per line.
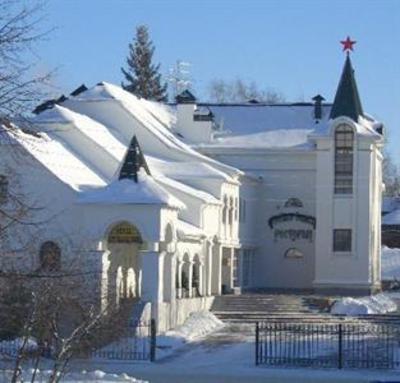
pixel 293 253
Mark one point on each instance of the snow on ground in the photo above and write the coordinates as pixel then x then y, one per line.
pixel 73 377
pixel 227 356
pixel 390 263
pixel 196 327
pixel 374 304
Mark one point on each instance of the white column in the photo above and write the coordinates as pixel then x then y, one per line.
pixel 152 276
pixel 232 260
pixel 201 284
pixel 179 265
pixel 190 278
pixel 168 278
pixel 209 269
pixel 216 269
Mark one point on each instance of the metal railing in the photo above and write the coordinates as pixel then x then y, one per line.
pixel 134 342
pixel 336 345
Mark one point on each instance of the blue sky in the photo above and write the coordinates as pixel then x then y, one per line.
pixel 291 46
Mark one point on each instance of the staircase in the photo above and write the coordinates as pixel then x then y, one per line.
pixel 307 308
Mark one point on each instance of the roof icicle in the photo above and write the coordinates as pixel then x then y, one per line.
pixel 347 100
pixel 133 161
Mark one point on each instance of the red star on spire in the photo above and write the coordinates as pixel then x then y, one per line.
pixel 348 44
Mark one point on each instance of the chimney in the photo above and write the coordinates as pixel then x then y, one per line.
pixel 318 106
pixel 194 123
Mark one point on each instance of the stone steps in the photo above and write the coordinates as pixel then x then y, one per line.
pixel 250 308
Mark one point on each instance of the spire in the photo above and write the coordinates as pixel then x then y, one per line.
pixel 133 161
pixel 347 100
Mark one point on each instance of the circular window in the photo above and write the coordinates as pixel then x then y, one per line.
pixel 293 253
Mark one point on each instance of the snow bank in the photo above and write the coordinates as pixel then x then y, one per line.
pixel 390 263
pixel 73 377
pixel 376 304
pixel 197 325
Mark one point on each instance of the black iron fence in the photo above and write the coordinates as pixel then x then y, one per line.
pixel 134 342
pixel 339 345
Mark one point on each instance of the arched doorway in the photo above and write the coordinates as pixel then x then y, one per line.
pixel 124 243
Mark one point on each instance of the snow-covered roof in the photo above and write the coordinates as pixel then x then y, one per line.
pixel 185 170
pixel 157 118
pixel 95 131
pixel 185 230
pixel 242 119
pixel 186 189
pixel 144 192
pixel 279 126
pixel 284 138
pixel 57 158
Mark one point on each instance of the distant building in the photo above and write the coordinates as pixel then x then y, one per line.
pixel 391 222
pixel 174 204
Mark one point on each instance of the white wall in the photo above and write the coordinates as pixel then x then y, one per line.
pixel 284 175
pixel 357 270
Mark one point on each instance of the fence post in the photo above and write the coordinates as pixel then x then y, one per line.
pixel 257 341
pixel 340 351
pixel 153 339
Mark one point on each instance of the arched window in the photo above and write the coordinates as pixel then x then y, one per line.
pixel 50 256
pixel 236 208
pixel 225 210
pixel 231 207
pixel 3 189
pixel 124 233
pixel 344 147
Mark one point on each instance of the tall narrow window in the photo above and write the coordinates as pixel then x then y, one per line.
pixel 3 189
pixel 342 240
pixel 236 208
pixel 230 209
pixel 344 142
pixel 225 210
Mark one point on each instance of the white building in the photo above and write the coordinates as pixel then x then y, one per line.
pixel 174 204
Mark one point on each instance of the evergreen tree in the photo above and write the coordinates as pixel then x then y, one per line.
pixel 142 76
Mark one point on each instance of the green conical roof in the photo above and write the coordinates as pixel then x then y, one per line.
pixel 347 100
pixel 133 161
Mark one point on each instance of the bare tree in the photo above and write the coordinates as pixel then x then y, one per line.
pixel 48 309
pixel 20 30
pixel 242 91
pixel 391 175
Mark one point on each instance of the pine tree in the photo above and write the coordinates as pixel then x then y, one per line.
pixel 142 76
